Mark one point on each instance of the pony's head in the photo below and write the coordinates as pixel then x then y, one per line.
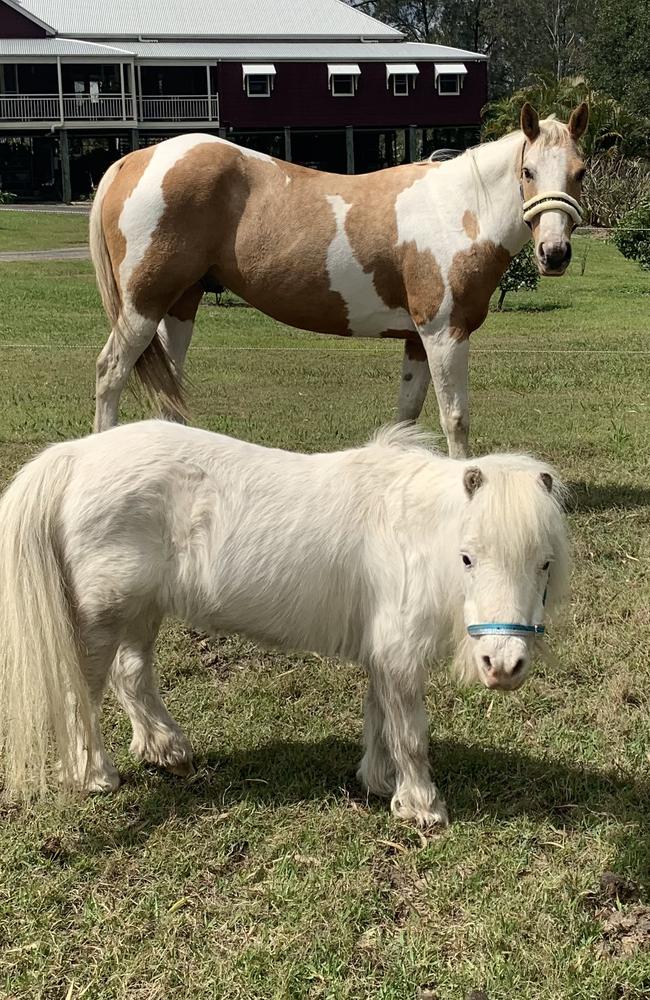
pixel 552 170
pixel 514 562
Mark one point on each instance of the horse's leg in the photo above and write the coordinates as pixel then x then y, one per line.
pixel 415 381
pixel 399 750
pixel 157 738
pixel 91 768
pixel 376 770
pixel 130 336
pixel 448 357
pixel 175 332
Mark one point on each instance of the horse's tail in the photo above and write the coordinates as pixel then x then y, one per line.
pixel 154 368
pixel 108 289
pixel 42 688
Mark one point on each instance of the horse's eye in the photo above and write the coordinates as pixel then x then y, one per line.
pixel 580 175
pixel 545 566
pixel 466 560
pixel 528 174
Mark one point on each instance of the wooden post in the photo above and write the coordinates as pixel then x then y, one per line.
pixel 207 77
pixel 135 138
pixel 64 156
pixel 287 144
pixel 122 92
pixel 134 103
pixel 140 91
pixel 412 143
pixel 349 148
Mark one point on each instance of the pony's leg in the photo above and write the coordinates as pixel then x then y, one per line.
pixel 175 332
pixel 398 749
pixel 448 358
pixel 91 768
pixel 414 382
pixel 129 338
pixel 157 737
pixel 376 770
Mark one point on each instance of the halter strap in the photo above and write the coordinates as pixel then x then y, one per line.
pixel 552 201
pixel 504 628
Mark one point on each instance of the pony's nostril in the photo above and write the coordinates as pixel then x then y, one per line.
pixel 519 665
pixel 488 662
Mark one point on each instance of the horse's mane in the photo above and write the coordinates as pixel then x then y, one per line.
pixel 406 436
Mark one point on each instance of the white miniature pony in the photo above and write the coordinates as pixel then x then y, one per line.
pixel 381 554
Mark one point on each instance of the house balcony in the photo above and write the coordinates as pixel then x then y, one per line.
pixel 106 109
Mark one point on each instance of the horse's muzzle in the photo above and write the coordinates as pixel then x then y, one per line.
pixel 553 258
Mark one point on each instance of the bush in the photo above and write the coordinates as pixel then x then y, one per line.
pixel 6 197
pixel 521 273
pixel 613 186
pixel 632 235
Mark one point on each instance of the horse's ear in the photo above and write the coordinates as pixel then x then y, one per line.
pixel 578 121
pixel 529 122
pixel 472 479
pixel 547 481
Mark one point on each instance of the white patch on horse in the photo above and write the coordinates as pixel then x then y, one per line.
pixel 143 209
pixel 368 314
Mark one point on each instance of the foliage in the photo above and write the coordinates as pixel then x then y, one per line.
pixel 614 184
pixel 632 235
pixel 617 54
pixel 522 272
pixel 6 197
pixel 610 123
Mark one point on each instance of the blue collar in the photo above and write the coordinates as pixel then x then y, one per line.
pixel 504 628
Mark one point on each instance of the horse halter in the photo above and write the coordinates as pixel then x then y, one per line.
pixel 548 201
pixel 508 628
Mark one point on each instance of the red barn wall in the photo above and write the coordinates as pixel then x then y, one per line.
pixel 15 25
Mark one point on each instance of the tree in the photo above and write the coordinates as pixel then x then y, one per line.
pixel 522 272
pixel 616 54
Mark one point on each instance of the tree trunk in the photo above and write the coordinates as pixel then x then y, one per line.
pixel 501 298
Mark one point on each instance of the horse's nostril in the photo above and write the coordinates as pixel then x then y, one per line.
pixel 487 661
pixel 519 665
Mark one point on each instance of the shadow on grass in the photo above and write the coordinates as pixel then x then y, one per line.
pixel 477 782
pixel 584 496
pixel 531 307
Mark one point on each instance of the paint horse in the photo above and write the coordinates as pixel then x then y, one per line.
pixel 412 252
pixel 384 555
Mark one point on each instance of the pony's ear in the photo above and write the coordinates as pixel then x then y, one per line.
pixel 546 480
pixel 472 479
pixel 578 121
pixel 529 122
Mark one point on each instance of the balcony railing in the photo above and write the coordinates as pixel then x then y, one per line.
pixel 185 108
pixel 84 107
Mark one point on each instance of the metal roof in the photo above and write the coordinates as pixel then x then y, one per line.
pixel 318 51
pixel 34 48
pixel 208 18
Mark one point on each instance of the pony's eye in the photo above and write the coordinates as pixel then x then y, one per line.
pixel 545 566
pixel 580 175
pixel 466 561
pixel 528 174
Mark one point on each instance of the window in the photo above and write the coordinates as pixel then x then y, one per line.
pixel 258 85
pixel 343 79
pixel 448 83
pixel 400 85
pixel 401 78
pixel 343 86
pixel 258 79
pixel 449 78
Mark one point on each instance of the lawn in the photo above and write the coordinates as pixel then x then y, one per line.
pixel 41 230
pixel 269 875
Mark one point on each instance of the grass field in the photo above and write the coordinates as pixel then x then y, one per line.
pixel 41 230
pixel 269 875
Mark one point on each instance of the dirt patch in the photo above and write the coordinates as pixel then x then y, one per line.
pixel 211 657
pixel 625 934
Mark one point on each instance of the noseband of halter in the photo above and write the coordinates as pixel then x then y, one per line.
pixel 508 628
pixel 504 628
pixel 549 201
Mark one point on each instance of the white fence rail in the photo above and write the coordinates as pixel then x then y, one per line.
pixel 85 107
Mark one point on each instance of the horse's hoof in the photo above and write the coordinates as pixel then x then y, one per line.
pixel 183 769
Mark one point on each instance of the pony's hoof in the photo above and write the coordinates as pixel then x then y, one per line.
pixel 173 754
pixel 184 769
pixel 425 814
pixel 102 782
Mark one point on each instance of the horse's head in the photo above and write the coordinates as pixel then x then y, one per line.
pixel 514 561
pixel 551 183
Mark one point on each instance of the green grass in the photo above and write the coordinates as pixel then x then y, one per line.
pixel 41 231
pixel 269 875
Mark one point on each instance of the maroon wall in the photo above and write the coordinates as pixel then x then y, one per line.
pixel 16 25
pixel 301 98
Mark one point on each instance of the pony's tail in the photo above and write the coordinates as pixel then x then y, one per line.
pixel 110 293
pixel 43 695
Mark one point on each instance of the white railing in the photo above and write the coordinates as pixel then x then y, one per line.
pixel 97 107
pixel 107 108
pixel 29 108
pixel 179 108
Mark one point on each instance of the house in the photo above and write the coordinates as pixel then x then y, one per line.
pixel 313 81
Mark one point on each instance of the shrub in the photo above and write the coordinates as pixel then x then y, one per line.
pixel 613 185
pixel 521 273
pixel 6 197
pixel 632 235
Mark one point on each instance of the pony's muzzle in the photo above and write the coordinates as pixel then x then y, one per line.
pixel 502 662
pixel 553 257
